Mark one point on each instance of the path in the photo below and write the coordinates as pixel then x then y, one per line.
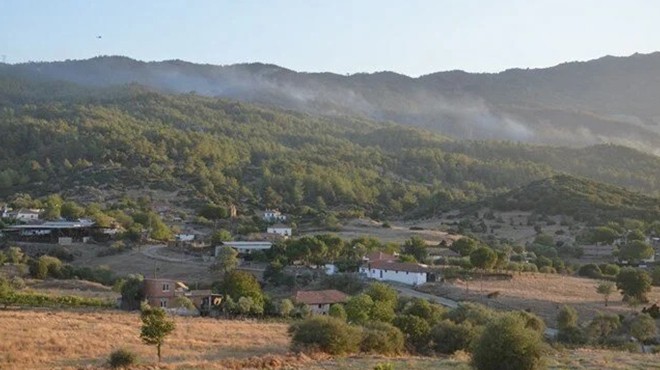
pixel 151 251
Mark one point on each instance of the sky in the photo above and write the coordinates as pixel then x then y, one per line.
pixel 412 37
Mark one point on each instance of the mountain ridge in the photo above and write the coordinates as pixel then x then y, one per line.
pixel 606 100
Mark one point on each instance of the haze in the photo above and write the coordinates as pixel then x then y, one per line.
pixel 411 37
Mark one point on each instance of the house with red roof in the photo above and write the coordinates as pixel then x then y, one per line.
pixel 319 301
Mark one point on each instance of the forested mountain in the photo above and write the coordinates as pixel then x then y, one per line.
pixel 608 100
pixel 580 198
pixel 59 137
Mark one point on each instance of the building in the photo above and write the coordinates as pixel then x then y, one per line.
pixel 319 301
pixel 245 247
pixel 405 273
pixel 273 215
pixel 25 215
pixel 279 229
pixel 163 293
pixel 60 232
pixel 379 256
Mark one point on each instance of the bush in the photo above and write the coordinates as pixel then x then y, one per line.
pixel 122 358
pixel 17 283
pixel 610 269
pixel 449 337
pixel 337 311
pixel 326 334
pixel 590 270
pixel 567 318
pixel 384 366
pixel 62 253
pixel 572 335
pixel 416 332
pixel 382 338
pixel 507 345
pixel 116 248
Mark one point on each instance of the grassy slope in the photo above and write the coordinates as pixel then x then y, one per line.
pixel 74 339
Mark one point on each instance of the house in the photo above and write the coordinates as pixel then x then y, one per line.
pixel 273 215
pixel 379 256
pixel 405 273
pixel 245 247
pixel 319 301
pixel 162 292
pixel 25 215
pixel 185 237
pixel 279 229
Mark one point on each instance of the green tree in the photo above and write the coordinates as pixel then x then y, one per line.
pixel 286 307
pixel 72 211
pixel 606 289
pixel 131 292
pixel 226 260
pixel 643 327
pixel 358 309
pixel 415 330
pixel 337 310
pixel 635 251
pixel 220 236
pixel 53 206
pixel 416 247
pixel 483 258
pixel 155 327
pixel 464 246
pixel 633 284
pixel 506 344
pixel 567 318
pixel 242 284
pixel 382 293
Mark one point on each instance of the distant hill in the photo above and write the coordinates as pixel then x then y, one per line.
pixel 583 199
pixel 608 100
pixel 62 137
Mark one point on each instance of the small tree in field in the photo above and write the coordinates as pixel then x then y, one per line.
pixel 634 284
pixel 605 289
pixel 155 326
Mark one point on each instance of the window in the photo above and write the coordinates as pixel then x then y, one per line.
pixel 163 302
pixel 320 306
pixel 166 287
pixel 406 272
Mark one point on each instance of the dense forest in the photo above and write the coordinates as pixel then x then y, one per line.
pixel 61 138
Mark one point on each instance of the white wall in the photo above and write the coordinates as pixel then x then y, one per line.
pixel 315 309
pixel 410 278
pixel 281 231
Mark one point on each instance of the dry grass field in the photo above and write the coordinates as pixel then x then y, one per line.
pixel 543 294
pixel 76 339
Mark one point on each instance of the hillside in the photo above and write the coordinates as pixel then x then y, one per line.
pixel 583 199
pixel 611 99
pixel 60 137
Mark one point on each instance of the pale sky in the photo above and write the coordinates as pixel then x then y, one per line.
pixel 412 37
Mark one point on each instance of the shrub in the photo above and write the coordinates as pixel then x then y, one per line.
pixel 567 318
pixel 473 313
pixel 507 345
pixel 326 334
pixel 416 331
pixel 122 358
pixel 337 311
pixel 384 366
pixel 17 283
pixel 358 308
pixel 382 338
pixel 610 269
pixel 634 283
pixel 590 270
pixel 62 253
pixel 572 335
pixel 449 337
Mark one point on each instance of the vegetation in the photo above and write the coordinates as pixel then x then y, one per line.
pixel 155 327
pixel 327 334
pixel 634 284
pixel 122 358
pixel 508 344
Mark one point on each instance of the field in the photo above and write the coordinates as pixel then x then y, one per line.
pixel 542 294
pixel 37 339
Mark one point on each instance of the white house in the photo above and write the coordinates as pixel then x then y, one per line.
pixel 319 301
pixel 279 229
pixel 406 273
pixel 26 214
pixel 245 247
pixel 185 237
pixel 273 215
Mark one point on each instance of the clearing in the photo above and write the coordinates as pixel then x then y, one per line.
pixel 542 294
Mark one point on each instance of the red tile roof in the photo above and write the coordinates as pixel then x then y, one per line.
pixel 398 266
pixel 320 297
pixel 379 256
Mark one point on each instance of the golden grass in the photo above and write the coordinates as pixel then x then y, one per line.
pixel 543 294
pixel 73 339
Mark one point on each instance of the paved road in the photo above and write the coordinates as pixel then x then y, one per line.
pixel 410 292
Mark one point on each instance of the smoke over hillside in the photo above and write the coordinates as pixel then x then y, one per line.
pixel 605 100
